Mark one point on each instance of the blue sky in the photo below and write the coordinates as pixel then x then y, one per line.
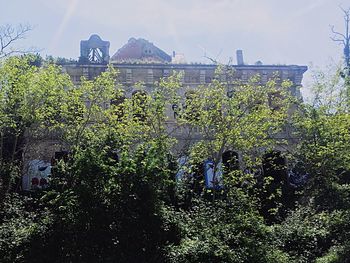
pixel 273 31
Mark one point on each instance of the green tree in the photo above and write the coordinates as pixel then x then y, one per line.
pixel 317 230
pixel 115 197
pixel 248 118
pixel 37 102
pixel 26 105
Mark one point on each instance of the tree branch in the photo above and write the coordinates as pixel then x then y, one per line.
pixel 337 33
pixel 338 40
pixel 9 35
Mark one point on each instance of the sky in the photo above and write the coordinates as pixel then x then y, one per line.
pixel 272 31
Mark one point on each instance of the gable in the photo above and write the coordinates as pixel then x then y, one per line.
pixel 140 50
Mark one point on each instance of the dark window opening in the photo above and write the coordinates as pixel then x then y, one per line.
pixel 61 155
pixel 139 98
pixel 212 175
pixel 191 106
pixel 113 157
pixel 230 161
pixel 274 165
pixel 275 100
pixel 118 106
pixel 297 175
pixel 175 109
pixel 230 92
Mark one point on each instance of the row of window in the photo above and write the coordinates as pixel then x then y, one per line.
pixel 274 165
pixel 201 79
pixel 139 98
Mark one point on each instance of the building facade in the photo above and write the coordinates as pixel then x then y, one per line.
pixel 141 61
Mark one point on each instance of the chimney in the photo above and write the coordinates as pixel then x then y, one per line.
pixel 239 55
pixel 173 54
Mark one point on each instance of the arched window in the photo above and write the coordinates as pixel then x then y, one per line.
pixel 297 174
pixel 230 91
pixel 175 109
pixel 139 100
pixel 113 157
pixel 275 100
pixel 274 165
pixel 276 190
pixel 191 106
pixel 117 105
pixel 61 155
pixel 230 161
pixel 212 175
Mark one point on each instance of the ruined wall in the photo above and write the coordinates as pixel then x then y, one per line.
pixel 193 75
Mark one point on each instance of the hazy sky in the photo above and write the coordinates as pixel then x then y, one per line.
pixel 273 31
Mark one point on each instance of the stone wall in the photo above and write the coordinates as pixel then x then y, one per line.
pixel 193 76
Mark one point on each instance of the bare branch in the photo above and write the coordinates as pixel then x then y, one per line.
pixel 344 38
pixel 9 35
pixel 345 11
pixel 211 59
pixel 337 33
pixel 338 40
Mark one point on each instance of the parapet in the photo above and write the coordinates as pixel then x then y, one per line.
pixel 94 50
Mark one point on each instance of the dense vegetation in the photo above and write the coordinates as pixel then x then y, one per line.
pixel 116 198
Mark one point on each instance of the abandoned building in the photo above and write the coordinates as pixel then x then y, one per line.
pixel 141 61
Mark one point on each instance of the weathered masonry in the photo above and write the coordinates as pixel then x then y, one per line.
pixel 141 61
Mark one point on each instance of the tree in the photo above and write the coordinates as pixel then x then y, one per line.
pixel 344 38
pixel 322 130
pixel 37 102
pixel 316 230
pixel 27 103
pixel 115 197
pixel 242 121
pixel 134 197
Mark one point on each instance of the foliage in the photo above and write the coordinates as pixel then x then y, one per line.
pixel 116 197
pixel 304 235
pixel 107 212
pixel 317 230
pixel 227 230
pixel 20 221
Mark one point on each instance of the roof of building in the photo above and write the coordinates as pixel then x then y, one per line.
pixel 140 50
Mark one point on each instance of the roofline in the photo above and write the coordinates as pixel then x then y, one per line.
pixel 301 68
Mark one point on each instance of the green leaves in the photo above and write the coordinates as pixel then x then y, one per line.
pixel 116 196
